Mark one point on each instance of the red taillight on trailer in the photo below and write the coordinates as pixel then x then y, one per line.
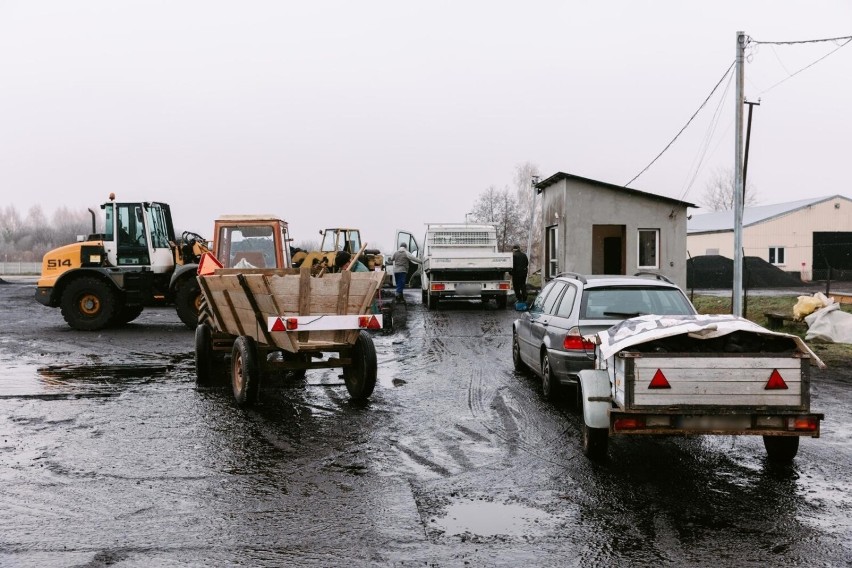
pixel 775 381
pixel 803 423
pixel 438 287
pixel 629 423
pixel 659 381
pixel 291 323
pixel 368 322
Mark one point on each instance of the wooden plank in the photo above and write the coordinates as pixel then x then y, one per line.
pixel 305 282
pixel 343 299
pixel 260 318
pixel 214 308
pixel 711 363
pixel 236 318
pixel 283 340
pixel 791 400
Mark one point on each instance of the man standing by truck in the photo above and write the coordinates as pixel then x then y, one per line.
pixel 402 259
pixel 520 263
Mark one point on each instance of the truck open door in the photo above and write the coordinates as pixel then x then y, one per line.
pixel 408 239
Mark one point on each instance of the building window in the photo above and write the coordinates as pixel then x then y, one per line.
pixel 776 255
pixel 552 266
pixel 649 248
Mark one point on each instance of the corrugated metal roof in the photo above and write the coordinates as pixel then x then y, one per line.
pixel 724 220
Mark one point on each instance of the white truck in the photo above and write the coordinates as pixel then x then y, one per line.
pixel 698 375
pixel 461 261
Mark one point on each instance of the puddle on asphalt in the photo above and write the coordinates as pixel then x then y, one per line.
pixel 26 379
pixel 486 518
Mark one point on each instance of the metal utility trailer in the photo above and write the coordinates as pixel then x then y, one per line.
pixel 286 320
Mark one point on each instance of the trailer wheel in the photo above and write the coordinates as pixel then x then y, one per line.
pixel 595 442
pixel 245 371
pixel 207 361
pixel 781 449
pixel 549 386
pixel 88 304
pixel 360 375
pixel 188 302
pixel 516 355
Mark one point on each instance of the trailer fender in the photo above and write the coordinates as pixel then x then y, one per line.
pixel 597 398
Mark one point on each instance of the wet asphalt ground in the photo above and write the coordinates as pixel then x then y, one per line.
pixel 111 456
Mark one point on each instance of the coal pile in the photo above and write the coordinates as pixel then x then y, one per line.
pixel 716 271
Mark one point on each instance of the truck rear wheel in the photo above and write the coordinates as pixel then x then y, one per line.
pixel 502 302
pixel 360 375
pixel 88 304
pixel 781 449
pixel 188 302
pixel 432 301
pixel 245 371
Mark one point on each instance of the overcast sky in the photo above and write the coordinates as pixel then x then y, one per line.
pixel 391 114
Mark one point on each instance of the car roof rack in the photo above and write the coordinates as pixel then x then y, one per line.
pixel 656 275
pixel 574 275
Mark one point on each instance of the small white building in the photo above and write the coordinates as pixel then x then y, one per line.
pixel 593 227
pixel 806 236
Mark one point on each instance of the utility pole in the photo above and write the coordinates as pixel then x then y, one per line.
pixel 533 181
pixel 737 300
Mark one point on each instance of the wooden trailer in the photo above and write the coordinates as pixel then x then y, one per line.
pixel 286 320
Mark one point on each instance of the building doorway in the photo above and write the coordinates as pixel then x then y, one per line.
pixel 608 250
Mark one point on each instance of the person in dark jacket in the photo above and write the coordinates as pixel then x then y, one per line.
pixel 520 264
pixel 402 260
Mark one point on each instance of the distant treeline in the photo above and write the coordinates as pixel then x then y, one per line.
pixel 25 238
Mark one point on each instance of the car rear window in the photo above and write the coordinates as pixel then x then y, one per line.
pixel 622 302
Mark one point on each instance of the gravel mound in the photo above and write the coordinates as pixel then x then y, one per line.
pixel 716 271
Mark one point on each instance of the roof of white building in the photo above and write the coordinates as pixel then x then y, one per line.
pixel 724 220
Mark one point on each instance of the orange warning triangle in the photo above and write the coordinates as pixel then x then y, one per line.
pixel 208 264
pixel 659 381
pixel 775 381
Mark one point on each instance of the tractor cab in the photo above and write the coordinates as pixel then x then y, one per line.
pixel 139 234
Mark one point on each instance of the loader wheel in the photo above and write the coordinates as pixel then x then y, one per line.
pixel 88 304
pixel 245 371
pixel 207 361
pixel 188 302
pixel 360 375
pixel 781 449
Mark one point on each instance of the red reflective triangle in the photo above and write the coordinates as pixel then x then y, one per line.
pixel 659 381
pixel 775 381
pixel 374 323
pixel 278 325
pixel 208 264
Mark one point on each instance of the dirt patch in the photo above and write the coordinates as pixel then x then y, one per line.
pixel 716 271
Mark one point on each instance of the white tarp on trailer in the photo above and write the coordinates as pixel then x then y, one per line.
pixel 642 329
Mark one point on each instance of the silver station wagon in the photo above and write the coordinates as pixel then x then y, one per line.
pixel 548 337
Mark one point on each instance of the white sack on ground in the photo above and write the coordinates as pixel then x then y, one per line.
pixel 829 324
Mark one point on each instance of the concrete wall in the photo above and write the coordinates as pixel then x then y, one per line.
pixel 576 206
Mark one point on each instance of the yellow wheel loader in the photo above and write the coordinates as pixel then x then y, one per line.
pixel 107 279
pixel 335 240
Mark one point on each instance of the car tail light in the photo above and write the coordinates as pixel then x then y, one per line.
pixel 575 342
pixel 503 286
pixel 439 287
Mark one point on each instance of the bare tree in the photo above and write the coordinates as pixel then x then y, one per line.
pixel 719 192
pixel 500 206
pixel 526 174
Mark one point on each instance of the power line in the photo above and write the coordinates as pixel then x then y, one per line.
pixel 751 40
pixel 688 122
pixel 790 76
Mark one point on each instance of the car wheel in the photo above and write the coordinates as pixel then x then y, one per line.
pixel 549 385
pixel 516 354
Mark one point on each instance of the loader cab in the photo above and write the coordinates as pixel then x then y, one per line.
pixel 139 234
pixel 335 240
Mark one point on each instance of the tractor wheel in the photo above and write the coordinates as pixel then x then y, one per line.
pixel 88 304
pixel 781 449
pixel 127 314
pixel 245 371
pixel 188 302
pixel 360 375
